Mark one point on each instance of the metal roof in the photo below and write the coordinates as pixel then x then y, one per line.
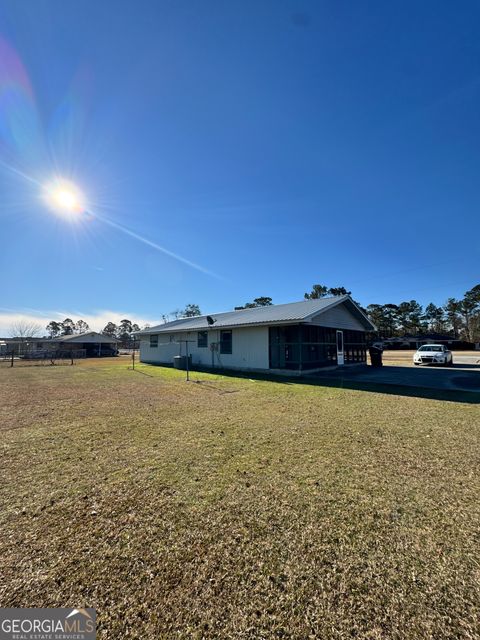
pixel 273 314
pixel 80 337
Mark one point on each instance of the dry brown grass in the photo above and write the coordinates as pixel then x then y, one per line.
pixel 233 508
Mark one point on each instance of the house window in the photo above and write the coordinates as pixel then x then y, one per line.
pixel 153 341
pixel 225 342
pixel 202 339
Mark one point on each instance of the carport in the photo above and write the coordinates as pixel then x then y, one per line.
pixel 93 344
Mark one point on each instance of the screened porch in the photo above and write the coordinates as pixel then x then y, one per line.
pixel 302 347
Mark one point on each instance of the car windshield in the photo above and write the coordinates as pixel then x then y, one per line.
pixel 431 347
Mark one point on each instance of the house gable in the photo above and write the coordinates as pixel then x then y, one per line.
pixel 339 317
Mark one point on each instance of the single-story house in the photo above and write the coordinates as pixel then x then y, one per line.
pixel 89 344
pixel 297 337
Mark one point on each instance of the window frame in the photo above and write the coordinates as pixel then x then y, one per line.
pixel 153 339
pixel 202 339
pixel 223 350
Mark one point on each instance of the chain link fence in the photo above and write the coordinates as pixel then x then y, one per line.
pixel 14 358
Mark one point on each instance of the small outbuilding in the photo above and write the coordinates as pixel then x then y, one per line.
pixel 80 345
pixel 295 338
pixel 92 343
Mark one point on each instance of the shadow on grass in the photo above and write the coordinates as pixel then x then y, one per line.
pixel 450 395
pixel 206 384
pixel 352 380
pixel 144 373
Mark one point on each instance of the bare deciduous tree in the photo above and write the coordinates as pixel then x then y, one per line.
pixel 24 329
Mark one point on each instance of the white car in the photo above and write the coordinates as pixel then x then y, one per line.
pixel 433 354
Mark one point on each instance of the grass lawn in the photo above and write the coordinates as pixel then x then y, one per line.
pixel 234 508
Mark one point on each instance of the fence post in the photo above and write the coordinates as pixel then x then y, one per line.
pixel 71 357
pixel 12 358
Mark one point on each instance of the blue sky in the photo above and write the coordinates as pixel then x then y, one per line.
pixel 273 144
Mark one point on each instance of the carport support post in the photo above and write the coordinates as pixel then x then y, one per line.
pixel 11 365
pixel 186 351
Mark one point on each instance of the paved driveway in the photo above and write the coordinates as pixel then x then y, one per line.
pixel 399 370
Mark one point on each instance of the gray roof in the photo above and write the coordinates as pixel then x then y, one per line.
pixel 79 337
pixel 292 312
pixel 89 336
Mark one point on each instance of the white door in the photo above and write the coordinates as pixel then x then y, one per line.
pixel 340 355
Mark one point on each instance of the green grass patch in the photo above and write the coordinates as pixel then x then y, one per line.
pixel 231 507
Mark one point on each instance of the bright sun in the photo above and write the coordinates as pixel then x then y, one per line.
pixel 65 198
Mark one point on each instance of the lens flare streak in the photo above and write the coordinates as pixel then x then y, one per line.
pixel 154 245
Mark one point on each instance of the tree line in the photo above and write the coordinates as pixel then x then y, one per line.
pixel 459 318
pixel 123 331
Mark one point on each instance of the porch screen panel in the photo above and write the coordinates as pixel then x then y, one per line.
pixel 355 347
pixel 302 347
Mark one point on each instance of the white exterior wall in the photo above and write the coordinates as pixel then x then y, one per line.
pixel 338 318
pixel 163 353
pixel 249 349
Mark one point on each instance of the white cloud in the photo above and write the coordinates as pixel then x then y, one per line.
pixel 96 321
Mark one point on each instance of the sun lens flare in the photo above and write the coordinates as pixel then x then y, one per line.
pixel 65 198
